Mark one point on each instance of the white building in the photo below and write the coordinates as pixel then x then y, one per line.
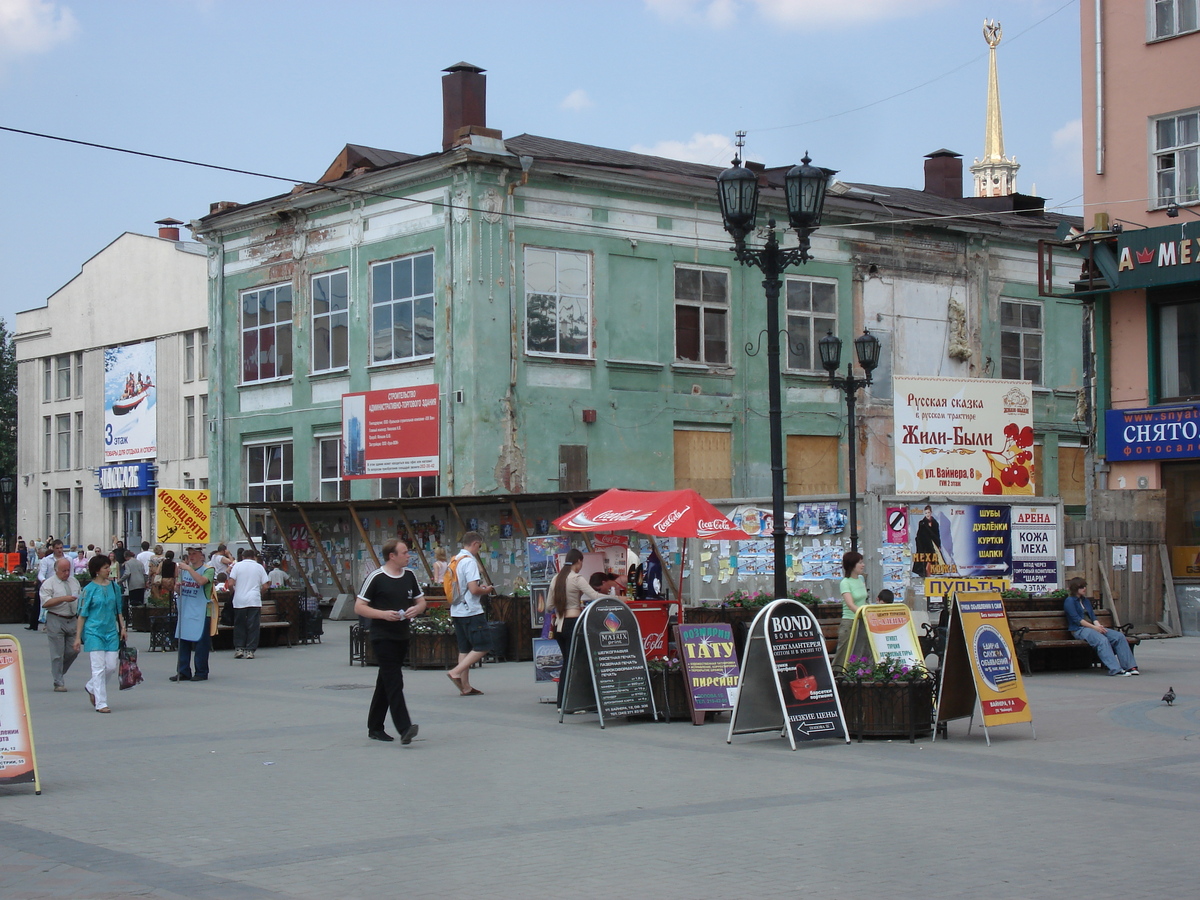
pixel 88 465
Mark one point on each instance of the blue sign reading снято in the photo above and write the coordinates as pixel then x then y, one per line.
pixel 1169 432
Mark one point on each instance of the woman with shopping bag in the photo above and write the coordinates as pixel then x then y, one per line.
pixel 101 629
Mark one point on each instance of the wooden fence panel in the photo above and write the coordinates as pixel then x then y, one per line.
pixel 1136 597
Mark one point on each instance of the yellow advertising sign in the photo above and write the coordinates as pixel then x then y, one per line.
pixel 998 683
pixel 183 517
pixel 945 585
pixel 18 761
pixel 892 633
pixel 1185 562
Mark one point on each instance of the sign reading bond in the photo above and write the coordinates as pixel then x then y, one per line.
pixel 980 665
pixel 392 433
pixel 18 762
pixel 606 668
pixel 183 517
pixel 787 682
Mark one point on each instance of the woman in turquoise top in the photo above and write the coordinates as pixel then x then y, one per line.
pixel 100 629
pixel 854 595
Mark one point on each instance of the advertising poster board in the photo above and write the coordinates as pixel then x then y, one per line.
pixel 391 433
pixel 607 670
pixel 18 759
pixel 710 667
pixel 130 402
pixel 1035 548
pixel 542 554
pixel 182 517
pixel 964 436
pixel 547 660
pixel 886 631
pixel 967 540
pixel 653 618
pixel 787 682
pixel 979 669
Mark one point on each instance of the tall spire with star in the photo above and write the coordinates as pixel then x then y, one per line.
pixel 995 174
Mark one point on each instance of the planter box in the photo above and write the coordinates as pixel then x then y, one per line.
pixel 887 710
pixel 432 651
pixel 670 694
pixel 12 603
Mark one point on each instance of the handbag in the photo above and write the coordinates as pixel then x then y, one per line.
pixel 803 685
pixel 128 671
pixel 226 617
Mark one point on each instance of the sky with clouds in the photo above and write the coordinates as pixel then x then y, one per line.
pixel 867 87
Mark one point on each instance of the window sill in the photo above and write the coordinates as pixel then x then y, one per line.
pixel 585 361
pixel 326 374
pixel 634 365
pixel 691 368
pixel 398 363
pixel 266 382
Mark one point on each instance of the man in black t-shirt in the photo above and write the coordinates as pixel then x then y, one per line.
pixel 390 596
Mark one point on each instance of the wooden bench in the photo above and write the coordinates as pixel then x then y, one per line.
pixel 1045 633
pixel 274 619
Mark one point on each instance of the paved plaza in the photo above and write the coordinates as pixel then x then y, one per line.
pixel 261 783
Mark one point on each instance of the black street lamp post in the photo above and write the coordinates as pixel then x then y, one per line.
pixel 8 497
pixel 737 190
pixel 866 347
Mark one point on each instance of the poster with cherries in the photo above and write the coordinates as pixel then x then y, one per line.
pixel 964 437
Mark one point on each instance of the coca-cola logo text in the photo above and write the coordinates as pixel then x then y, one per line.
pixel 670 519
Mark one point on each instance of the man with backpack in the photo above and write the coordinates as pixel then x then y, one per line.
pixel 464 589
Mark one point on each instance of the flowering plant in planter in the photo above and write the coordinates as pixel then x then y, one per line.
pixel 740 599
pixel 886 671
pixel 436 621
pixel 805 596
pixel 1060 594
pixel 1015 594
pixel 667 664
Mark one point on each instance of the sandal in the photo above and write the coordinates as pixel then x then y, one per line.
pixel 104 709
pixel 457 681
pixel 472 693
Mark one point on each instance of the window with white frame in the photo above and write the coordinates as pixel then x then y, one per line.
pixel 558 314
pixel 329 470
pixel 79 374
pixel 189 356
pixel 189 427
pixel 47 443
pixel 410 486
pixel 49 518
pixel 1021 340
pixel 202 355
pixel 202 425
pixel 62 502
pixel 189 484
pixel 47 379
pixel 269 472
pixel 62 456
pixel 267 333
pixel 1178 362
pixel 811 305
pixel 1177 158
pixel 402 309
pixel 702 315
pixel 331 321
pixel 62 379
pixel 1172 17
pixel 79 440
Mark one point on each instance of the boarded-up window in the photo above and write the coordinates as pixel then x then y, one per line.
pixel 703 463
pixel 572 467
pixel 1072 477
pixel 811 466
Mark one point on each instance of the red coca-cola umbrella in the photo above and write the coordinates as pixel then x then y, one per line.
pixel 682 513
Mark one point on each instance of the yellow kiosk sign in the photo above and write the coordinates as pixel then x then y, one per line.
pixel 885 630
pixel 183 517
pixel 980 642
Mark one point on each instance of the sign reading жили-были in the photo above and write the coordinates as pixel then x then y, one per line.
pixel 964 436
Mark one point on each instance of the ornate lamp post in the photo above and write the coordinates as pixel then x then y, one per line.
pixel 804 189
pixel 8 496
pixel 866 347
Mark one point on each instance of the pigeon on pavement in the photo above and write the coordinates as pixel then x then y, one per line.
pixel 1169 696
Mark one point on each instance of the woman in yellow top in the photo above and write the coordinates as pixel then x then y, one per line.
pixel 566 593
pixel 854 595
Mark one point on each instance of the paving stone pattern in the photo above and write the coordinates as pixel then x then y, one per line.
pixel 261 783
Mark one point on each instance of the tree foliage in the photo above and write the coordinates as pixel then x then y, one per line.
pixel 8 401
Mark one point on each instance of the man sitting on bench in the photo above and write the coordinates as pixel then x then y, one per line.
pixel 1111 646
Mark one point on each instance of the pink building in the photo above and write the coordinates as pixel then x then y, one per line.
pixel 1141 139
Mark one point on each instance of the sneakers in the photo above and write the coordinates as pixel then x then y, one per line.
pixel 60 689
pixel 238 654
pixel 1132 671
pixel 249 654
pixel 409 733
pixel 178 677
pixel 1121 674
pixel 380 736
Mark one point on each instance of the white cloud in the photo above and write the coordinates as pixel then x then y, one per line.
pixel 791 13
pixel 33 26
pixel 577 100
pixel 1069 138
pixel 710 149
